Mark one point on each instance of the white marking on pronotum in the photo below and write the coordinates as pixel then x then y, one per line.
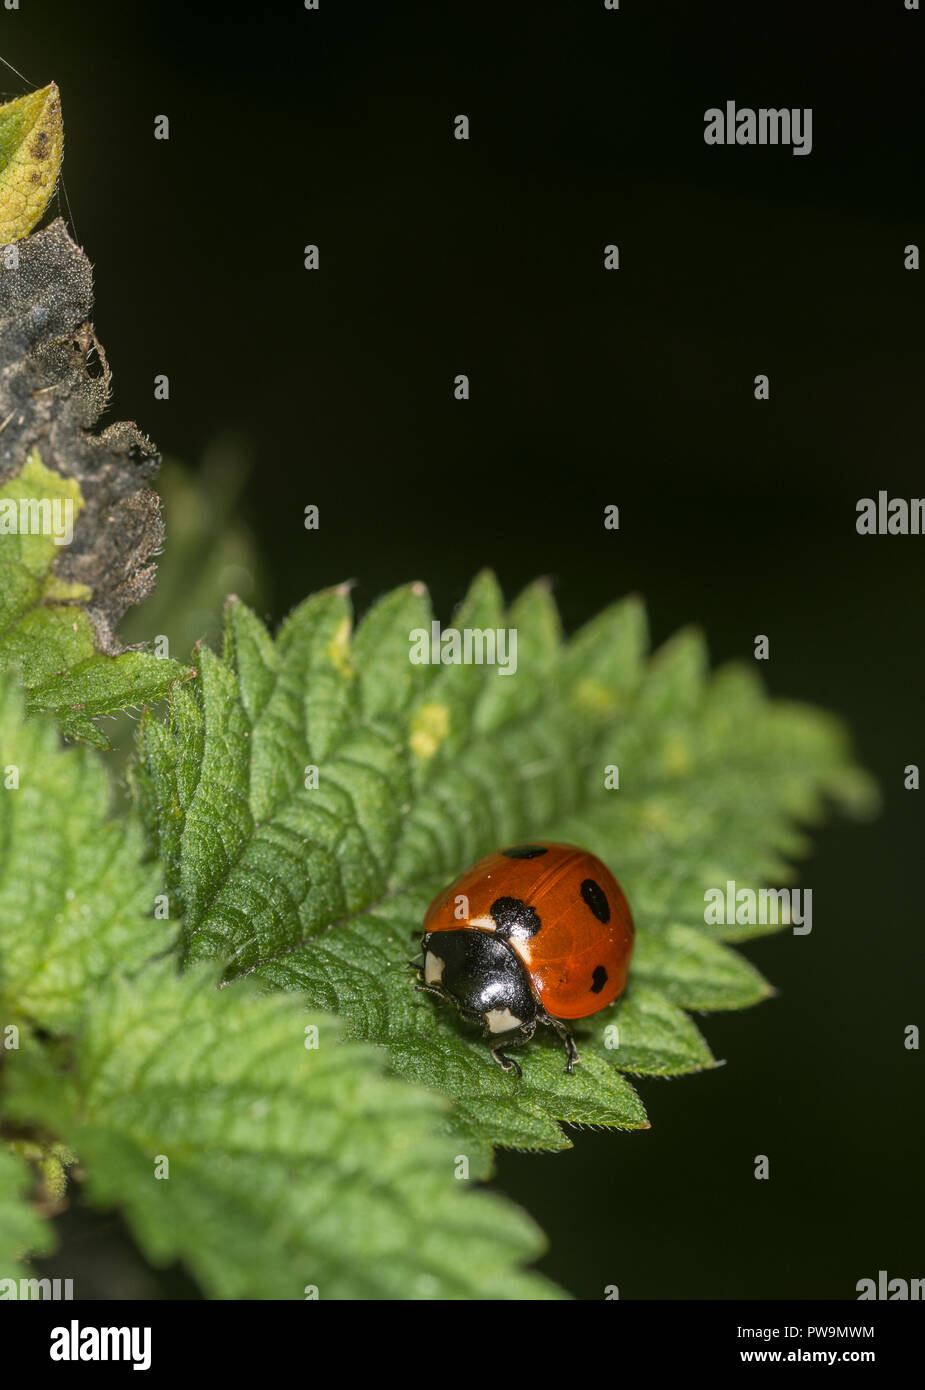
pixel 502 1021
pixel 519 941
pixel 433 969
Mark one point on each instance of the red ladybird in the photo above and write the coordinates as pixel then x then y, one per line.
pixel 537 933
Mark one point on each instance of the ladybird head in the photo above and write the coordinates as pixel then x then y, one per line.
pixel 482 976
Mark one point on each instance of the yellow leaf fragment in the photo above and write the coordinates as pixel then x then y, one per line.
pixel 31 144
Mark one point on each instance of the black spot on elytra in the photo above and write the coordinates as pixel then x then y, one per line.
pixel 598 979
pixel 524 851
pixel 512 914
pixel 596 899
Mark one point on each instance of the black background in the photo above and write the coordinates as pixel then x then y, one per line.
pixel 588 388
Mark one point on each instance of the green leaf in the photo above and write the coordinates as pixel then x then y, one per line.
pixel 360 969
pixel 697 973
pixel 31 144
pixel 649 1035
pixel 421 769
pixel 289 1166
pixel 21 1228
pixel 74 903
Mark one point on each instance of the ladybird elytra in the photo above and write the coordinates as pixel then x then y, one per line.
pixel 538 933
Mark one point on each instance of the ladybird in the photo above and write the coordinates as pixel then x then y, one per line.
pixel 534 934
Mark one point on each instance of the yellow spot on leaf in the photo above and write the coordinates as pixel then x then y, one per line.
pixel 429 727
pixel 31 144
pixel 654 815
pixel 676 756
pixel 339 648
pixel 593 695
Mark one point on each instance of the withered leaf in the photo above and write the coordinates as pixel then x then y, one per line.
pixel 58 620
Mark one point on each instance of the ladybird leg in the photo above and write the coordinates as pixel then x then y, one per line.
pixel 506 1063
pixel 571 1051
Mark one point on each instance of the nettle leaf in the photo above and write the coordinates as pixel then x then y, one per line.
pixel 421 769
pixel 79 522
pixel 74 903
pixel 289 1166
pixel 31 144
